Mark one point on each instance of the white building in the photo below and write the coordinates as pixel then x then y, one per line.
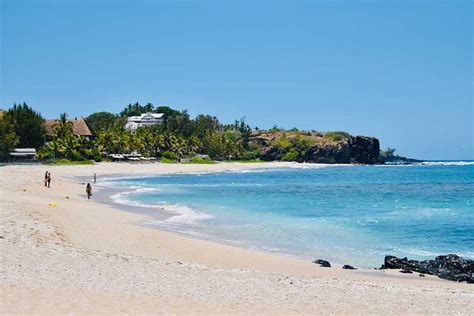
pixel 147 119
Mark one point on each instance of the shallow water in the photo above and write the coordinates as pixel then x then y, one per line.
pixel 354 215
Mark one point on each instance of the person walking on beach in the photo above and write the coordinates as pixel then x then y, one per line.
pixel 49 179
pixel 46 179
pixel 95 178
pixel 89 191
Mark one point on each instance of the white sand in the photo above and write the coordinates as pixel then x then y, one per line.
pixel 85 257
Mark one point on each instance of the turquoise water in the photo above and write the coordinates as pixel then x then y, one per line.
pixel 350 215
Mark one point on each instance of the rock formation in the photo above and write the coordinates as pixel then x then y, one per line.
pixel 354 150
pixel 322 263
pixel 449 267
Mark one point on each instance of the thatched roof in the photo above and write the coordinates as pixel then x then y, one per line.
pixel 79 127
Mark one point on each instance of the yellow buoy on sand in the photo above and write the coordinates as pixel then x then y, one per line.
pixel 52 204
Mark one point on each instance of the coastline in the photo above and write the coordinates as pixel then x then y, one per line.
pixel 78 246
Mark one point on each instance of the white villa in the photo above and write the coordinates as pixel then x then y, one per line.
pixel 147 119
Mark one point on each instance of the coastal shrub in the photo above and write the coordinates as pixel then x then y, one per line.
pixel 166 160
pixel 290 156
pixel 69 162
pixel 200 160
pixel 249 155
pixel 44 153
pixel 249 161
pixel 283 143
pixel 336 136
pixel 169 155
pixel 76 156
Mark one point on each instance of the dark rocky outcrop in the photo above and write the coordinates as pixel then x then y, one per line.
pixel 399 160
pixel 336 148
pixel 271 154
pixel 322 263
pixel 338 152
pixel 449 267
pixel 348 267
pixel 355 150
pixel 365 150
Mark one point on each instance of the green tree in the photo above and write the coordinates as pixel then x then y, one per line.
pixel 204 124
pixel 99 121
pixel 63 128
pixel 65 144
pixel 8 138
pixel 28 125
pixel 137 109
pixel 166 110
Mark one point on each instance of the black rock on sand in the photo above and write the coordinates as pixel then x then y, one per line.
pixel 449 267
pixel 322 263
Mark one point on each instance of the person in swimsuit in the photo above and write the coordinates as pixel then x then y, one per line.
pixel 89 191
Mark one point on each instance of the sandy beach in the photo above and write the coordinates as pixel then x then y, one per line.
pixel 81 256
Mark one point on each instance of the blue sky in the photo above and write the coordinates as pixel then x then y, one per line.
pixel 398 70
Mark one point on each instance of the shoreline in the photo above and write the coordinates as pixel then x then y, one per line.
pixel 107 191
pixel 93 249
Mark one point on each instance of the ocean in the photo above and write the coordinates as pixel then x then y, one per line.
pixel 345 214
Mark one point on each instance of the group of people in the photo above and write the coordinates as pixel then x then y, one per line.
pixel 47 183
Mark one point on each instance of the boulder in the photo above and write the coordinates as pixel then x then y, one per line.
pixel 322 263
pixel 348 267
pixel 449 267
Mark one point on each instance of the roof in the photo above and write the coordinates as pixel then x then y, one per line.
pixel 23 152
pixel 79 127
pixel 139 117
pixel 155 115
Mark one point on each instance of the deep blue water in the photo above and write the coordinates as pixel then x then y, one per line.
pixel 354 215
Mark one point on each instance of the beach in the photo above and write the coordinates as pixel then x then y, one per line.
pixel 81 256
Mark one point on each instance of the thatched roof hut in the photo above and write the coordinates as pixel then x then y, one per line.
pixel 79 127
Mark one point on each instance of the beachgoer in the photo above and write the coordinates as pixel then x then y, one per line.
pixel 49 179
pixel 46 178
pixel 95 178
pixel 89 190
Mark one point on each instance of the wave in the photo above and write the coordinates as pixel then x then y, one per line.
pixel 180 213
pixel 250 171
pixel 446 163
pixel 184 214
pixel 183 217
pixel 124 197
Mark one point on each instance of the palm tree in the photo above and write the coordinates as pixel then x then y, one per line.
pixel 63 127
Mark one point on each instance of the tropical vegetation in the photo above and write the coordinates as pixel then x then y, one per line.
pixel 179 137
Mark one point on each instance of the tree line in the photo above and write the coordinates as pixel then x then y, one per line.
pixel 179 134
